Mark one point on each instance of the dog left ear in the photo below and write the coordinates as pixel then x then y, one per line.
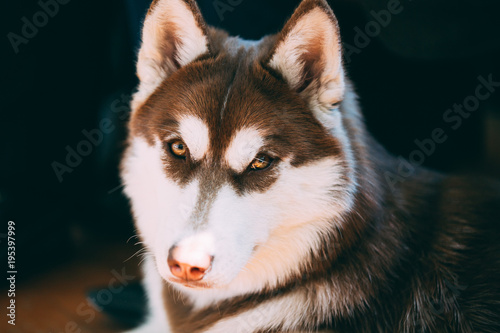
pixel 308 54
pixel 174 35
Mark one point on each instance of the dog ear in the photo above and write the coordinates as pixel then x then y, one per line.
pixel 174 34
pixel 308 54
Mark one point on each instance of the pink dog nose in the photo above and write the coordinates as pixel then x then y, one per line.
pixel 192 267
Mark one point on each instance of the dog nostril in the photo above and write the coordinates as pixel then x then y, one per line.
pixel 176 268
pixel 196 273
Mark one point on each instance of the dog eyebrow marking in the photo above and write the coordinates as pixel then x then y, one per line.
pixel 244 146
pixel 195 134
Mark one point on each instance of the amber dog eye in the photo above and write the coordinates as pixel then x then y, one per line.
pixel 179 149
pixel 261 162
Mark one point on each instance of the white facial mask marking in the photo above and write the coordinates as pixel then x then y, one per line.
pixel 195 134
pixel 245 144
pixel 298 206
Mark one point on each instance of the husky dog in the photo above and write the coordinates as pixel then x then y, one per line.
pixel 265 205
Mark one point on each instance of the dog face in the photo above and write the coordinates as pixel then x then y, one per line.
pixel 237 153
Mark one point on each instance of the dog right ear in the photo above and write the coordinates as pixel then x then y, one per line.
pixel 308 54
pixel 174 34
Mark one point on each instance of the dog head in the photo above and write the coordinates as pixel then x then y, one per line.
pixel 238 156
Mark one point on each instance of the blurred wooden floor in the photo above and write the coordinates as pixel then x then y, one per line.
pixel 56 303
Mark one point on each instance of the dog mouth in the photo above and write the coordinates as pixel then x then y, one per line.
pixel 191 284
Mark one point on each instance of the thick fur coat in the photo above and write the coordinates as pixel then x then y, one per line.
pixel 323 237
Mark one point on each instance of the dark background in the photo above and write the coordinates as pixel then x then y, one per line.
pixel 79 70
